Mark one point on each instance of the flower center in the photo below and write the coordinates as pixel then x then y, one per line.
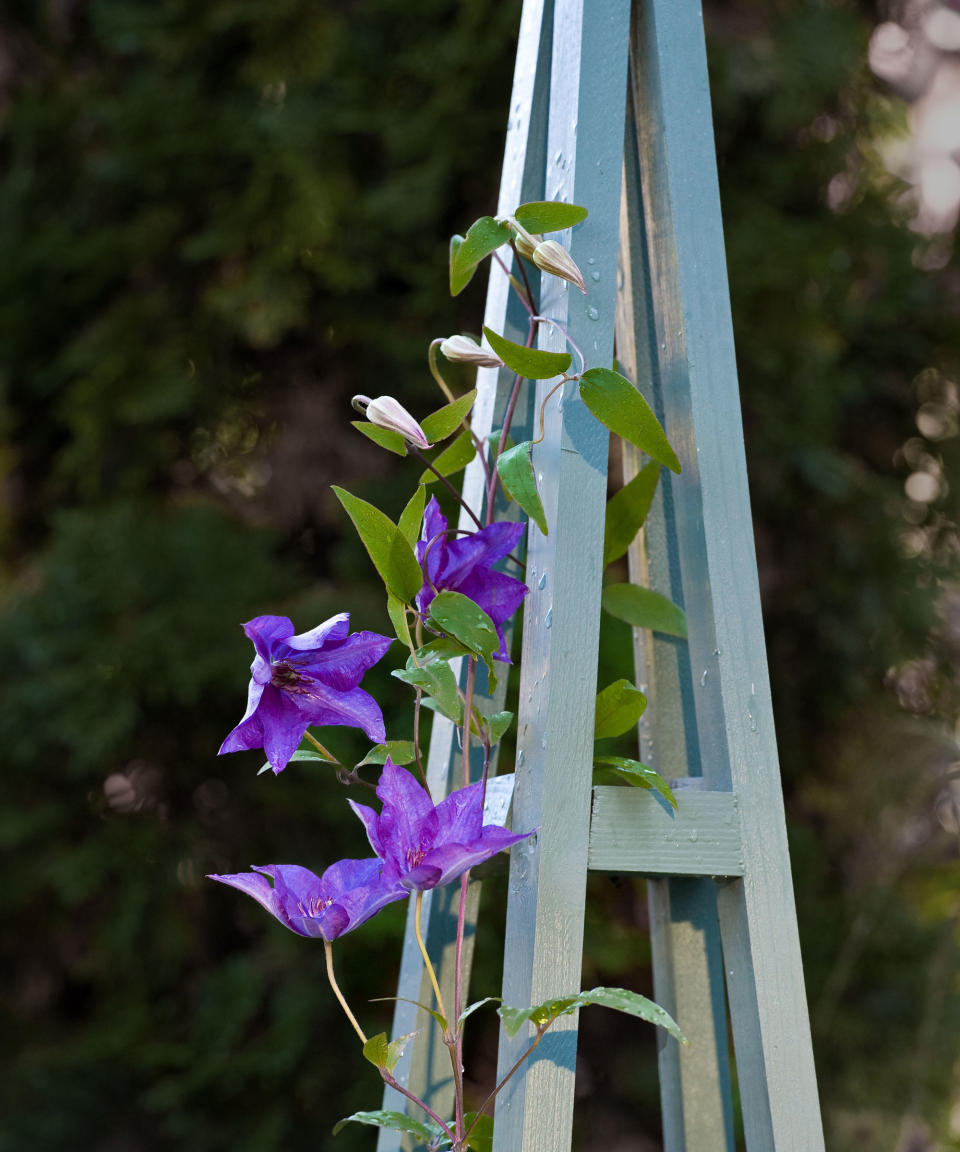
pixel 314 906
pixel 414 856
pixel 287 678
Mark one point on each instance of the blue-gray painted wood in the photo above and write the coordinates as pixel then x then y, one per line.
pixel 695 1100
pixel 637 831
pixel 544 930
pixel 425 1067
pixel 697 372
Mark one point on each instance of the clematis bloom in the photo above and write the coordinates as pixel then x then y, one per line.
pixel 465 565
pixel 324 907
pixel 309 679
pixel 423 845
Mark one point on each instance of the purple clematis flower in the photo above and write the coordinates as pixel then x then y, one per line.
pixel 302 680
pixel 423 845
pixel 465 565
pixel 324 907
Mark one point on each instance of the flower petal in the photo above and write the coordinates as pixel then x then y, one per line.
pixel 268 631
pixel 342 665
pixel 333 630
pixel 460 815
pixel 408 823
pixel 275 725
pixel 454 859
pixel 326 707
pixel 261 890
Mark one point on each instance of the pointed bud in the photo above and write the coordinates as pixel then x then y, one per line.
pixel 388 413
pixel 550 257
pixel 466 351
pixel 526 244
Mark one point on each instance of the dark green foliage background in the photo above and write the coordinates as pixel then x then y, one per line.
pixel 220 220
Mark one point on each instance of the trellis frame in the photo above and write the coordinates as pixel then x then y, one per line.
pixel 723 921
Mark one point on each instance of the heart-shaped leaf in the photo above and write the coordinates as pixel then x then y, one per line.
pixel 530 363
pixel 620 407
pixel 639 775
pixel 455 456
pixel 627 511
pixel 392 441
pixel 549 216
pixel 619 706
pixel 440 424
pixel 386 545
pixel 515 469
pixel 644 608
pixel 397 1121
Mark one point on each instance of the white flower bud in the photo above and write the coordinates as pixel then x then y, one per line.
pixel 549 256
pixel 526 243
pixel 388 413
pixel 466 351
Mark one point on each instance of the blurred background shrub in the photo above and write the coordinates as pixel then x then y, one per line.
pixel 220 220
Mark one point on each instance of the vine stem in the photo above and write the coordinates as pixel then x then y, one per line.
pixel 423 952
pixel 414 451
pixel 493 1095
pixel 566 335
pixel 458 1008
pixel 320 748
pixel 468 718
pixel 504 431
pixel 328 948
pixel 444 387
pixel 527 302
pixel 388 1078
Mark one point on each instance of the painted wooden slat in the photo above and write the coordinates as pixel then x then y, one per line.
pixel 694 348
pixel 695 1099
pixel 425 1067
pixel 637 831
pixel 544 928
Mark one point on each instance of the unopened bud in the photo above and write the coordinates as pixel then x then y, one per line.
pixel 549 256
pixel 388 413
pixel 525 244
pixel 466 351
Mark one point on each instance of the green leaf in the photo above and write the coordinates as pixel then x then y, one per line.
pixel 375 1050
pixel 539 1014
pixel 392 441
pixel 455 456
pixel 394 1120
pixel 459 277
pixel 549 216
pixel 446 420
pixel 399 751
pixel 437 682
pixel 441 1020
pixel 639 775
pixel 386 545
pixel 634 1005
pixel 301 754
pixel 644 608
pixel 481 1138
pixel 497 724
pixel 483 237
pixel 627 511
pixel 620 407
pixel 618 998
pixel 398 618
pixel 530 363
pixel 412 516
pixel 460 617
pixel 471 1008
pixel 443 648
pixel 619 706
pixel 516 474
